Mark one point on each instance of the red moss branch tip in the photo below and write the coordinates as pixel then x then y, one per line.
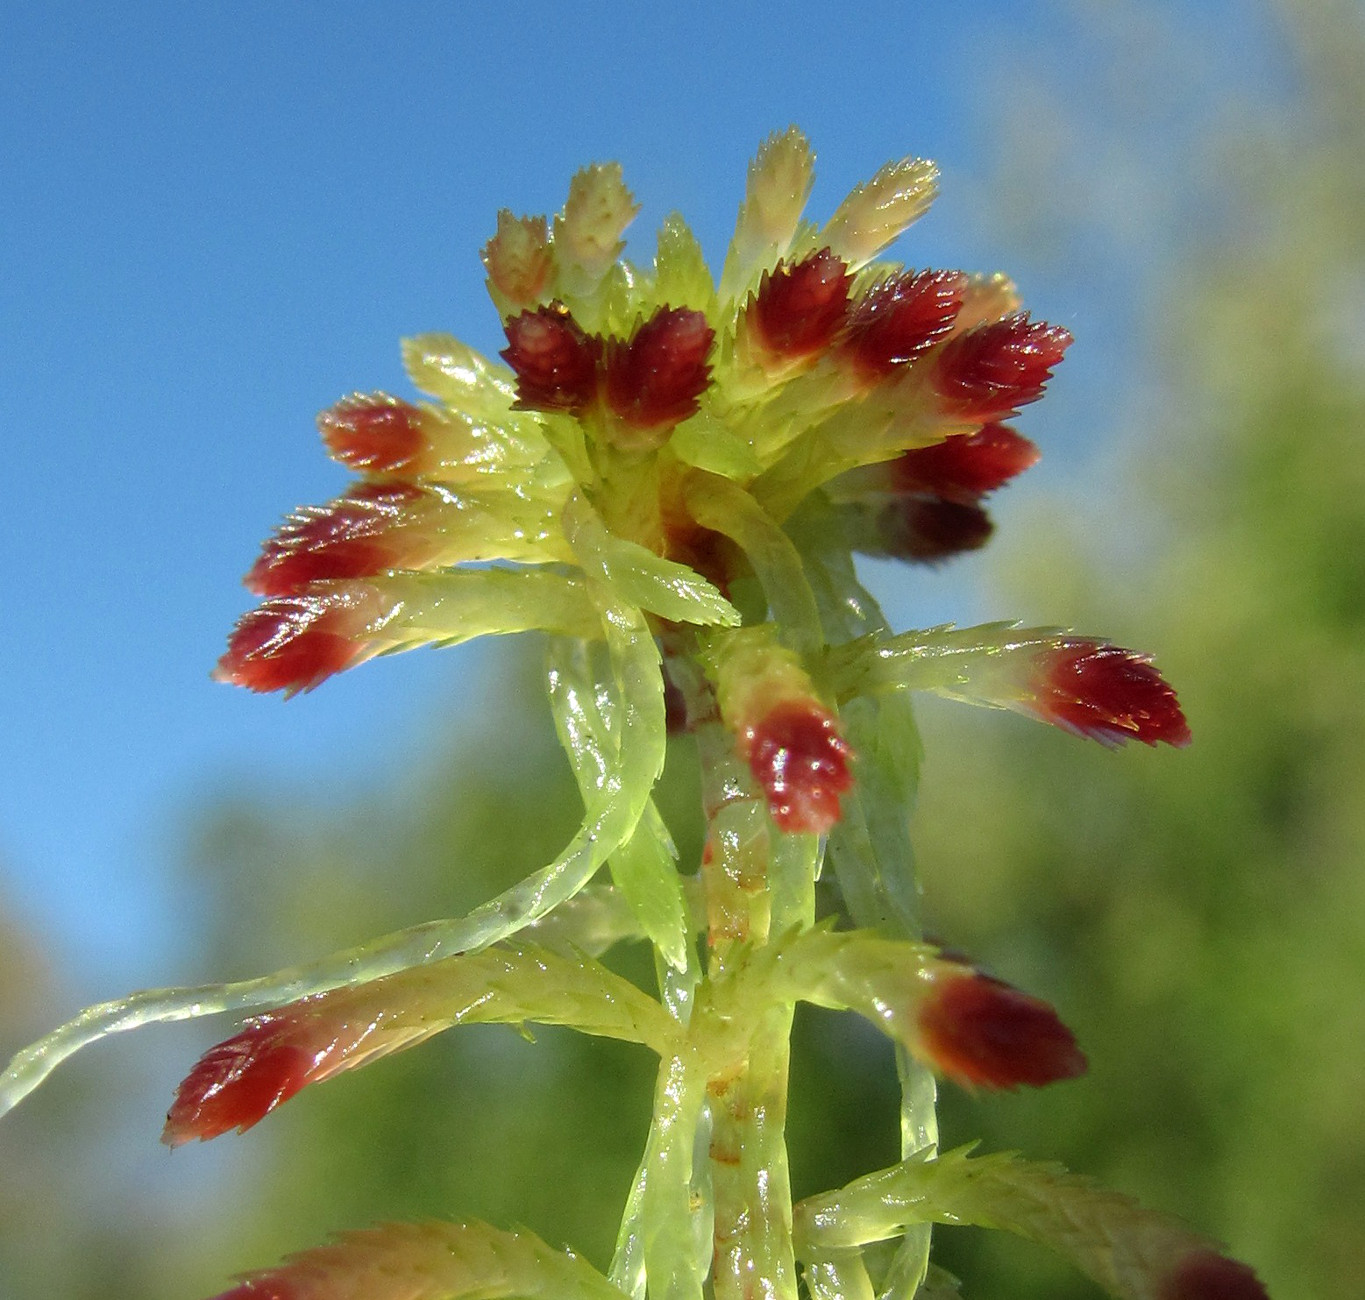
pixel 1207 1275
pixel 654 380
pixel 967 466
pixel 996 368
pixel 927 530
pixel 798 309
pixel 900 318
pixel 374 433
pixel 802 762
pixel 1107 694
pixel 555 362
pixel 981 1032
pixel 239 1082
pixel 357 536
pixel 294 643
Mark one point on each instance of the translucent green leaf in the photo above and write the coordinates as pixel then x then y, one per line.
pixel 645 867
pixel 431 1261
pixel 1128 1250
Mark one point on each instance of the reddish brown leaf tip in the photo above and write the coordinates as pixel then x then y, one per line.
pixel 656 378
pixel 374 433
pixel 927 529
pixel 353 537
pixel 1108 694
pixel 978 1031
pixel 899 319
pixel 967 466
pixel 555 362
pixel 798 309
pixel 237 1084
pixel 1207 1275
pixel 292 644
pixel 799 758
pixel 265 1288
pixel 996 368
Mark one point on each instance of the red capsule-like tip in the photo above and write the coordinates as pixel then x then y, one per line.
pixel 655 379
pixel 798 309
pixel 554 360
pixel 899 319
pixel 353 537
pixel 292 644
pixel 238 1083
pixel 1108 694
pixel 967 466
pixel 265 1288
pixel 980 1032
pixel 799 758
pixel 374 433
pixel 927 529
pixel 995 368
pixel 1207 1275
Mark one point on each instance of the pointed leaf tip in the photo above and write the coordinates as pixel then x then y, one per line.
pixel 1107 694
pixel 981 1032
pixel 1207 1275
pixel 996 368
pixel 238 1083
pixel 294 643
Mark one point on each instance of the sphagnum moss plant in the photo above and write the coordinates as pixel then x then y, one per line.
pixel 670 478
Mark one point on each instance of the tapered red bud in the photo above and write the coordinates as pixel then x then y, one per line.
pixel 518 261
pixel 980 1032
pixel 798 309
pixel 357 536
pixel 267 1288
pixel 928 529
pixel 996 368
pixel 238 1083
pixel 899 319
pixel 296 642
pixel 1107 693
pixel 797 754
pixel 374 433
pixel 967 466
pixel 1207 1275
pixel 555 362
pixel 654 380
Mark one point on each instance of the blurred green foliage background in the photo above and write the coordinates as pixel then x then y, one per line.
pixel 1198 918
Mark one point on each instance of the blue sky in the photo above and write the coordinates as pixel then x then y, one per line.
pixel 218 219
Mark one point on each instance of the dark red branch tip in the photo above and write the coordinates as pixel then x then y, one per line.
pixel 555 362
pixel 293 643
pixel 1108 694
pixel 996 368
pixel 263 1288
pixel 979 1031
pixel 899 319
pixel 655 379
pixel 798 309
pixel 238 1083
pixel 1207 1275
pixel 374 433
pixel 967 466
pixel 352 537
pixel 798 756
pixel 927 529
